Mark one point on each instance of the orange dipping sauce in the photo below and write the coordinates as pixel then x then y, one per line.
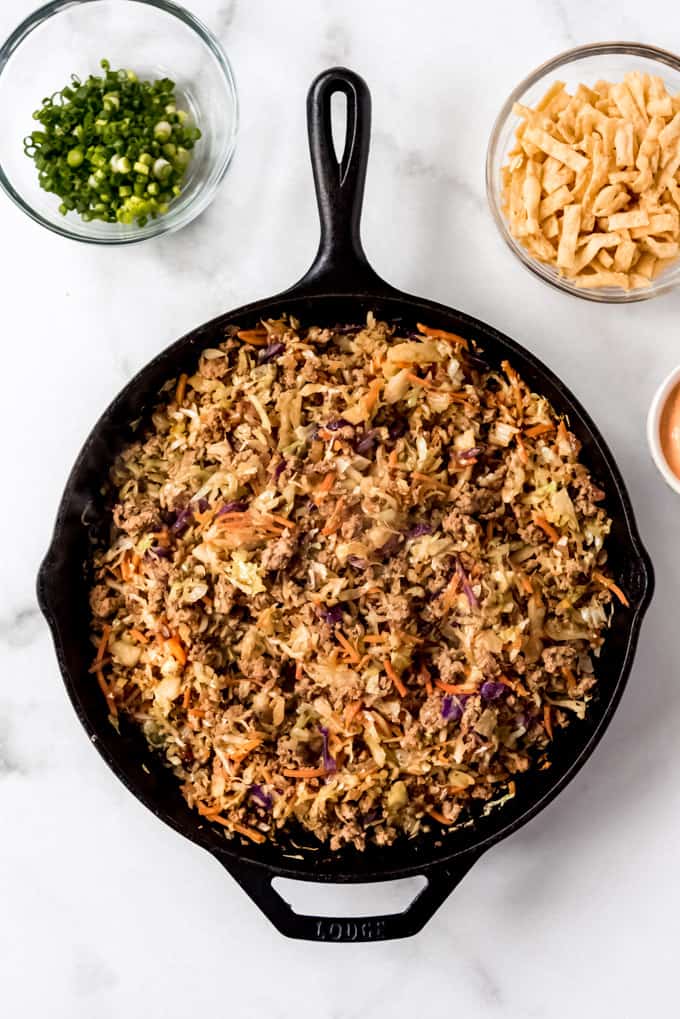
pixel 669 430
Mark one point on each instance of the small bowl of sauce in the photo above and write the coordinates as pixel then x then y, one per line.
pixel 663 429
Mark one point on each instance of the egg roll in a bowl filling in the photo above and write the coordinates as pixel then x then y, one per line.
pixel 355 581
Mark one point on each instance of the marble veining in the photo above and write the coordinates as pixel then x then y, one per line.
pixel 104 912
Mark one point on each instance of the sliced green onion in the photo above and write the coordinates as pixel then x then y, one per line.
pixel 112 147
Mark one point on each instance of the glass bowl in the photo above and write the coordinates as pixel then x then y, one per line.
pixel 155 38
pixel 585 64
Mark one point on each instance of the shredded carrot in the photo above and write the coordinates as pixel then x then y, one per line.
pixel 424 677
pixel 517 643
pixel 97 666
pixel 514 685
pixel 303 772
pixel 569 677
pixel 103 642
pixel 241 829
pixel 106 690
pixel 512 788
pixel 489 530
pixel 611 586
pixel 547 528
pixel 426 383
pixel 525 583
pixel 326 484
pixel 435 815
pixel 451 591
pixel 206 811
pixel 257 337
pixel 140 637
pixel 392 459
pixel 396 681
pixel 456 789
pixel 186 696
pixel 125 569
pixel 240 753
pixel 196 712
pixel 562 434
pixel 181 388
pixel 298 671
pixel 352 652
pixel 547 721
pixel 174 646
pixel 536 430
pixel 427 479
pixel 371 397
pixel 521 449
pixel 334 521
pixel 351 711
pixel 235 680
pixel 375 638
pixel 408 638
pixel 442 334
pixel 203 518
pixel 455 688
pixel 284 521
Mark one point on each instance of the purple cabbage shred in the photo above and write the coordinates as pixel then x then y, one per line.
pixel 332 615
pixel 279 469
pixel 258 794
pixel 453 707
pixel 390 546
pixel 366 443
pixel 397 428
pixel 418 530
pixel 268 353
pixel 161 552
pixel 236 506
pixel 491 691
pixel 469 454
pixel 465 584
pixel 337 424
pixel 183 520
pixel 328 761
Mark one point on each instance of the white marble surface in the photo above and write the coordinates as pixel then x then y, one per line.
pixel 103 911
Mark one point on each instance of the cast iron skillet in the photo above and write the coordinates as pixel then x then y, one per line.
pixel 340 287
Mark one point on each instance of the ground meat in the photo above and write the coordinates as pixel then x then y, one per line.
pixel 102 602
pixel 280 552
pixel 430 715
pixel 587 497
pixel 224 595
pixel 461 527
pixel 450 669
pixel 213 367
pixel 558 657
pixel 136 515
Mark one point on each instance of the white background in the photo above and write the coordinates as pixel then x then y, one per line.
pixel 103 911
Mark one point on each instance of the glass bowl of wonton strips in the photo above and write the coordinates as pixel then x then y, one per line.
pixel 583 172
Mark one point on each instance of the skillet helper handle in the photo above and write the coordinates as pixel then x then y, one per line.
pixel 340 262
pixel 441 881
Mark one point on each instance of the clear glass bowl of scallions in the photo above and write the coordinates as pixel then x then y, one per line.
pixel 119 118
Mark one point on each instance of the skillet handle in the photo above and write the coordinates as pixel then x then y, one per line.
pixel 340 263
pixel 441 881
